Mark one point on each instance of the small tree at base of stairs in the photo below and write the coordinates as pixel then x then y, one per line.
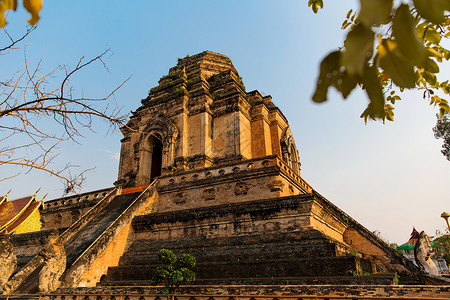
pixel 174 272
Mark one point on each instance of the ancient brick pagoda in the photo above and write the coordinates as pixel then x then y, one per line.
pixel 209 169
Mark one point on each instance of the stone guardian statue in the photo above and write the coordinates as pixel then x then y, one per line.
pixel 423 252
pixel 8 260
pixel 54 264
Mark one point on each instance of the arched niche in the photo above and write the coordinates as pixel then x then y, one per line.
pixel 156 149
pixel 289 151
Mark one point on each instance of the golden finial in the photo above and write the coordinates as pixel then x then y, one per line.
pixel 446 215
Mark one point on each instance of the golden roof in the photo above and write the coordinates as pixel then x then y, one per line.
pixel 13 213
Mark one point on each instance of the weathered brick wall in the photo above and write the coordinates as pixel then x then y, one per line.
pixel 272 238
pixel 63 212
pixel 27 245
pixel 248 180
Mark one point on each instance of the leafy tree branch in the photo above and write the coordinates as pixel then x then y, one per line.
pixel 390 47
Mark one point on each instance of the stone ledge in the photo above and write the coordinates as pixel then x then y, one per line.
pixel 52 205
pixel 32 237
pixel 342 290
pixel 385 279
pixel 233 169
pixel 248 207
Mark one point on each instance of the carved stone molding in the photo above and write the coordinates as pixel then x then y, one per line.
pixel 289 150
pixel 241 188
pixel 162 129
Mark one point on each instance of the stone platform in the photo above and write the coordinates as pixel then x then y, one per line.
pixel 272 240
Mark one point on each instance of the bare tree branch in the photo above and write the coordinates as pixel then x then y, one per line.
pixel 42 114
pixel 14 42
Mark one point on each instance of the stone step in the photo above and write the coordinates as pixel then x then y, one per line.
pixel 83 238
pixel 263 246
pixel 88 234
pixel 311 237
pixel 379 279
pixel 251 268
pixel 225 253
pixel 302 280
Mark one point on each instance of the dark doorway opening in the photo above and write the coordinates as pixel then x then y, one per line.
pixel 156 159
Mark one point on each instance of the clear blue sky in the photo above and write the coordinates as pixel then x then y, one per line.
pixel 388 177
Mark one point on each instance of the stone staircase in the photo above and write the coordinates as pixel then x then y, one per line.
pixel 87 238
pixel 299 257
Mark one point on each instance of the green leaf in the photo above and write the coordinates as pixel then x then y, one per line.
pixel 329 67
pixel 393 98
pixel 431 66
pixel 4 6
pixel 33 7
pixel 432 35
pixel 331 74
pixel 432 10
pixel 446 54
pixel 175 276
pixel 186 260
pixel 315 5
pixel 371 84
pixel 344 24
pixel 435 53
pixel 345 84
pixel 395 65
pixel 421 29
pixel 429 77
pixel 444 106
pixel 389 112
pixel 358 49
pixel 188 275
pixel 404 31
pixel 375 12
pixel 349 13
pixel 166 256
pixel 435 100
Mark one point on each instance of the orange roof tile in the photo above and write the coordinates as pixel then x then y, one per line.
pixel 134 189
pixel 413 239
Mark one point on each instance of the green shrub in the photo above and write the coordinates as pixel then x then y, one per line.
pixel 174 272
